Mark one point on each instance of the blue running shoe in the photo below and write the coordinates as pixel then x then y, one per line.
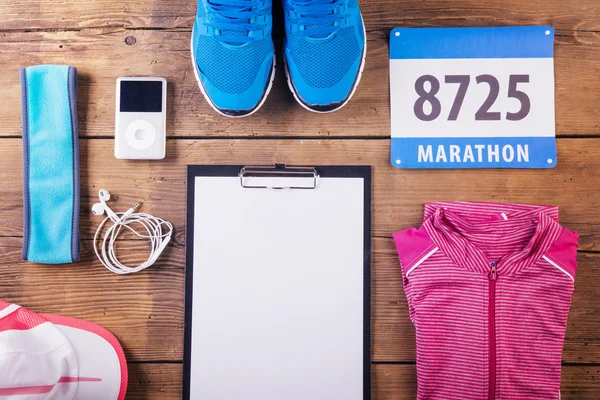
pixel 232 52
pixel 325 51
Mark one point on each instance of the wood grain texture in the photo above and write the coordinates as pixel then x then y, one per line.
pixel 145 310
pixel 398 195
pixel 45 14
pixel 102 55
pixel 390 382
pixel 154 381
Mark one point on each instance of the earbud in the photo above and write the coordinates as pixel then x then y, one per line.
pixel 102 207
pixel 98 209
pixel 104 195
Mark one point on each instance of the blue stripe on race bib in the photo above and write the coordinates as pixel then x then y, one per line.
pixel 508 152
pixel 502 42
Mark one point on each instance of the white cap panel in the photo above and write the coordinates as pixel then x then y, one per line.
pixel 99 367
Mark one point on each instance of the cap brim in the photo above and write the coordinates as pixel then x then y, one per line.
pixel 102 364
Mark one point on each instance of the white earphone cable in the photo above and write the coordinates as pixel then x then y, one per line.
pixel 157 230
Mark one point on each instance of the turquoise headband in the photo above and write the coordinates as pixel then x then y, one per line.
pixel 51 164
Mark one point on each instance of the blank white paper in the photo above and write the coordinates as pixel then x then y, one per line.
pixel 278 291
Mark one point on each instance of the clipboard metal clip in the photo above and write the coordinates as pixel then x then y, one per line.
pixel 275 177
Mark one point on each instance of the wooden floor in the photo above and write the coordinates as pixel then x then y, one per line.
pixel 106 39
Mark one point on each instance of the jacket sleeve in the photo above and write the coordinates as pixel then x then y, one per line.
pixel 412 245
pixel 563 251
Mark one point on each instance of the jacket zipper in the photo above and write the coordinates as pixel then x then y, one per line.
pixel 492 331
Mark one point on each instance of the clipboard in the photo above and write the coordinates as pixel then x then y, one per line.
pixel 278 283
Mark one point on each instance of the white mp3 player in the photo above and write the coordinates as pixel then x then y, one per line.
pixel 141 118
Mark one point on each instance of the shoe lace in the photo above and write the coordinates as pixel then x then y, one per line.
pixel 317 17
pixel 232 19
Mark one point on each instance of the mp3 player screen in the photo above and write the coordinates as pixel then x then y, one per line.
pixel 141 96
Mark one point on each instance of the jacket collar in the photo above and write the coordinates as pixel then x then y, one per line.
pixel 453 230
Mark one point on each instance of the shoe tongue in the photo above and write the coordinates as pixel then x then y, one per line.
pixel 321 14
pixel 322 35
pixel 230 32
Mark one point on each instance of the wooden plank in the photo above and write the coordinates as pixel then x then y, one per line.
pixel 145 310
pixel 48 14
pixel 390 382
pixel 154 381
pixel 398 194
pixel 102 55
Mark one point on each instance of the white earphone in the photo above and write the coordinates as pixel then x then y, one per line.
pixel 101 208
pixel 153 226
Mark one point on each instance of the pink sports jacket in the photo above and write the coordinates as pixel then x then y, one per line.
pixel 489 289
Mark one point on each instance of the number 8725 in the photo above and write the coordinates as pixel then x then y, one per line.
pixel 484 113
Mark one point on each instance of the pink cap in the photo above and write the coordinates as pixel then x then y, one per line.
pixel 52 357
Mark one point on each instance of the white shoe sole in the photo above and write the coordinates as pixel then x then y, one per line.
pixel 343 103
pixel 209 101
